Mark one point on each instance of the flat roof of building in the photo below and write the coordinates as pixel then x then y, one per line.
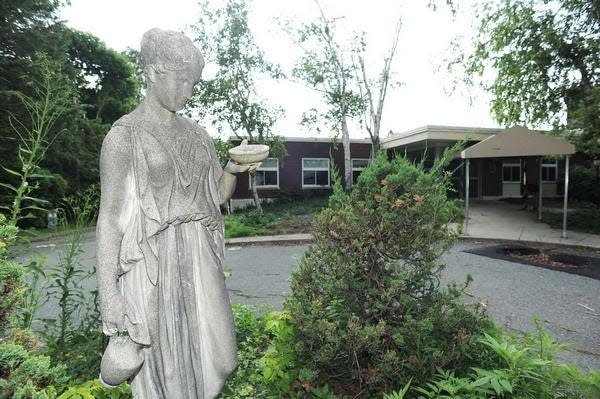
pixel 300 139
pixel 438 132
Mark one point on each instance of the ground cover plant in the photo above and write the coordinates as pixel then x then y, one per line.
pixel 282 216
pixel 585 220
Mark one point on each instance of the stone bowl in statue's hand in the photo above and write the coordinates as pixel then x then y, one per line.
pixel 245 153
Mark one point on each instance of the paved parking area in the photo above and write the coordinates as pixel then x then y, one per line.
pixel 567 305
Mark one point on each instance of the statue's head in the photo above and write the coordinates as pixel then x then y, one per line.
pixel 172 66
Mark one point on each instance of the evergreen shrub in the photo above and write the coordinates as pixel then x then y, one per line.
pixel 366 303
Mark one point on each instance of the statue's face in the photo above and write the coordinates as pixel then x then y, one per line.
pixel 174 88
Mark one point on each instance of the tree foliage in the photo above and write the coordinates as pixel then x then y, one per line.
pixel 545 58
pixel 102 81
pixel 374 91
pixel 106 79
pixel 327 67
pixel 52 96
pixel 230 99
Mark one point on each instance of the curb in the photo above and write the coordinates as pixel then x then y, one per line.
pixel 54 236
pixel 293 239
pixel 290 239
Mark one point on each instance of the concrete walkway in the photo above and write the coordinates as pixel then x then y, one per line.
pixel 504 221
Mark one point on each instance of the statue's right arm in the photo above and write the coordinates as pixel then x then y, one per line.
pixel 115 164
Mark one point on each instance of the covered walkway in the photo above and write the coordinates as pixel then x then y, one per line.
pixel 506 221
pixel 518 142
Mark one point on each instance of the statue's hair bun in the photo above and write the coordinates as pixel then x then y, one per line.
pixel 169 49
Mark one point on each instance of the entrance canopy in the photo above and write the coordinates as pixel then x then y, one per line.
pixel 518 141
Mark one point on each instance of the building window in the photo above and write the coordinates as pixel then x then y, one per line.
pixel 549 170
pixel 357 166
pixel 267 174
pixel 315 172
pixel 511 172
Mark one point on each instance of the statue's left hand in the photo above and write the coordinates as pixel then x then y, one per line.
pixel 235 168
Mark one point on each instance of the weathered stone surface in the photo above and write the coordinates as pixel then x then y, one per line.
pixel 160 237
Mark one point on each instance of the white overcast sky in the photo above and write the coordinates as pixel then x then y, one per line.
pixel 423 98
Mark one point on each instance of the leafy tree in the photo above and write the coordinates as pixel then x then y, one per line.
pixel 103 84
pixel 545 58
pixel 106 79
pixel 366 86
pixel 135 58
pixel 231 97
pixel 27 27
pixel 107 86
pixel 52 97
pixel 326 66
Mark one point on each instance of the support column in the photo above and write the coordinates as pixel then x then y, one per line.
pixel 566 194
pixel 467 197
pixel 540 190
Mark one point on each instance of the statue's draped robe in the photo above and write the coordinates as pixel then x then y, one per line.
pixel 171 262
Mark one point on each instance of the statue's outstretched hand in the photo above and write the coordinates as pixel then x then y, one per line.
pixel 234 168
pixel 115 313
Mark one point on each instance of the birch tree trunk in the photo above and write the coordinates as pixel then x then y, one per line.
pixel 255 192
pixel 347 161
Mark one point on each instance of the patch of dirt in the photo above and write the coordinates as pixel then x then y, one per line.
pixel 553 258
pixel 292 224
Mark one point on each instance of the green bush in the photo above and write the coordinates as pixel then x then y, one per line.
pixel 27 374
pixel 266 355
pixel 234 227
pixel 95 390
pixel 252 341
pixel 584 185
pixel 586 220
pixel 517 367
pixel 365 305
pixel 12 277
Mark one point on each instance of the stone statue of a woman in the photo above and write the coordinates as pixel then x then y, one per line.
pixel 160 238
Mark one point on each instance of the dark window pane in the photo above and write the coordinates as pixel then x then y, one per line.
pixel 316 163
pixel 511 173
pixel 269 163
pixel 516 173
pixel 355 175
pixel 322 177
pixel 308 178
pixel 260 178
pixel 549 173
pixel 360 163
pixel 270 178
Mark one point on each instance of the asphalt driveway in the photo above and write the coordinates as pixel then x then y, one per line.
pixel 568 305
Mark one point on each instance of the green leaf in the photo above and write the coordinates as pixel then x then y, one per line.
pixel 12 172
pixel 506 385
pixel 34 208
pixel 9 186
pixel 42 176
pixel 38 200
